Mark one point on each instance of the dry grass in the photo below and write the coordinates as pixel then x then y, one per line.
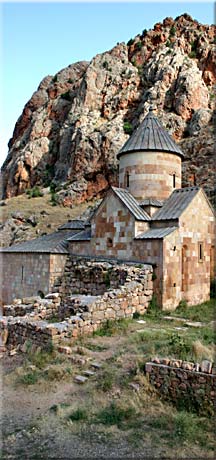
pixel 202 351
pixel 56 215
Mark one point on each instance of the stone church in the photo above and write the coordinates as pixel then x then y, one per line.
pixel 149 219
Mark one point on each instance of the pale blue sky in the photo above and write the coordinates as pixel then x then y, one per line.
pixel 42 38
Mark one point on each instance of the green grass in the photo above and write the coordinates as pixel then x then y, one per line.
pixel 182 426
pixel 41 358
pixel 115 414
pixel 110 328
pixel 203 312
pixel 78 415
pixel 30 378
pixel 106 380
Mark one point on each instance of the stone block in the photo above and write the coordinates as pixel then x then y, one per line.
pixel 148 367
pixel 80 379
pixel 206 366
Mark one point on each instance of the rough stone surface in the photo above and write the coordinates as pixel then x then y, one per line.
pixel 184 381
pixel 73 315
pixel 72 127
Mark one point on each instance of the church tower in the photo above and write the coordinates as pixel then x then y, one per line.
pixel 150 162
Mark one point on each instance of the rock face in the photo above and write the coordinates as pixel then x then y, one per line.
pixel 74 124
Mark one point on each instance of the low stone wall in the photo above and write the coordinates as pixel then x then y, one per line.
pixel 35 307
pixel 95 277
pixel 75 314
pixel 189 385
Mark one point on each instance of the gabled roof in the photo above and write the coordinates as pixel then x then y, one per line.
pixel 150 136
pixel 151 202
pixel 156 233
pixel 54 243
pixel 75 224
pixel 131 204
pixel 85 235
pixel 176 203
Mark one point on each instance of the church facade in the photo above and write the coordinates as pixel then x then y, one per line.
pixel 149 219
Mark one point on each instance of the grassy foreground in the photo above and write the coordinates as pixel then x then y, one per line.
pixel 117 403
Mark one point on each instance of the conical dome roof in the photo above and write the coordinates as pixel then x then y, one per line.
pixel 150 136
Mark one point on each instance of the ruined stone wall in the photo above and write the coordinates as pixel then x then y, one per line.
pixel 150 174
pixel 77 314
pixel 95 277
pixel 193 385
pixel 57 266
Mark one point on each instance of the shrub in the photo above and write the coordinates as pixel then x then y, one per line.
pixel 183 304
pixel 139 45
pixel 192 54
pixel 106 381
pixel 130 42
pixel 128 128
pixel 78 414
pixel 35 192
pixel 144 32
pixel 172 31
pixel 30 378
pixel 105 65
pixel 54 199
pixel 179 346
pixel 193 45
pixel 169 44
pixel 66 96
pixel 116 415
pixel 55 79
pixel 107 279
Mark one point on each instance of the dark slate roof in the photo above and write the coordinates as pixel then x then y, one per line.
pixel 75 224
pixel 54 243
pixel 150 136
pixel 176 203
pixel 151 202
pixel 131 203
pixel 85 235
pixel 156 233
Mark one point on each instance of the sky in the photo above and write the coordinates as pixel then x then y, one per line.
pixel 39 39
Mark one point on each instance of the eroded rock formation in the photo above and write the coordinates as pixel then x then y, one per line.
pixel 75 123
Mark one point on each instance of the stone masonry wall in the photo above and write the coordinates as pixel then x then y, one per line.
pixel 23 273
pixel 113 228
pixel 95 277
pixel 190 384
pixel 196 226
pixel 78 314
pixel 150 174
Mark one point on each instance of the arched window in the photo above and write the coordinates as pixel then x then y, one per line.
pixel 127 179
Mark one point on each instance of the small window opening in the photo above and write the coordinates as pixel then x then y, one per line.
pixel 22 275
pixel 174 248
pixel 200 250
pixel 127 179
pixel 174 284
pixel 194 179
pixel 174 180
pixel 109 242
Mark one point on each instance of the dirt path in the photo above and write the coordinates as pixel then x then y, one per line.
pixel 35 418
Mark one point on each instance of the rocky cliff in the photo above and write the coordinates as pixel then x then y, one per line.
pixel 76 121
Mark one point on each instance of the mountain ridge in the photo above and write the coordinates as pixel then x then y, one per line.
pixel 75 123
